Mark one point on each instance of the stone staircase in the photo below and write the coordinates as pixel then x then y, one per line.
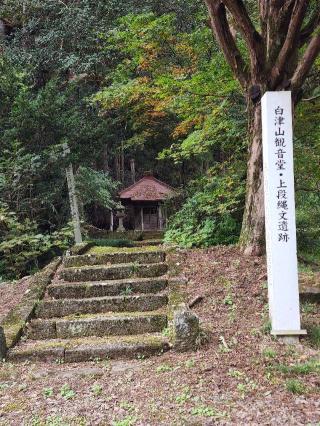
pixel 101 306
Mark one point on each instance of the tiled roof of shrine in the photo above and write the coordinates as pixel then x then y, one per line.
pixel 147 189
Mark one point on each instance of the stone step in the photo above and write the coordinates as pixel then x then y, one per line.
pixel 63 307
pixel 107 288
pixel 126 323
pixel 114 272
pixel 141 256
pixel 87 349
pixel 146 243
pixel 153 235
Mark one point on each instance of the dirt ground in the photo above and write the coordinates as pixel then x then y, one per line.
pixel 239 375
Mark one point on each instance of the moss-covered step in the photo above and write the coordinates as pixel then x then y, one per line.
pixel 141 256
pixel 114 272
pixel 127 323
pixel 108 288
pixel 87 349
pixel 63 307
pixel 13 324
pixel 146 243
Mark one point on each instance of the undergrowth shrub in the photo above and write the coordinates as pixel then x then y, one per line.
pixel 211 214
pixel 308 224
pixel 23 249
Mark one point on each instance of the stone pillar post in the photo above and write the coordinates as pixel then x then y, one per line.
pixel 186 328
pixel 73 199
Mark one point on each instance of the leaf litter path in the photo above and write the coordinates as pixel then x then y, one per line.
pixel 238 375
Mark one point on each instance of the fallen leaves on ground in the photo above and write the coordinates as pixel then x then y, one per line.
pixel 239 374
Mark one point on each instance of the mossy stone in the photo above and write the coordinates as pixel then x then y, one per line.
pixel 14 323
pixel 119 257
pixel 186 327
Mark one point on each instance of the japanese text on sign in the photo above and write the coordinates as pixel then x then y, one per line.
pixel 280 163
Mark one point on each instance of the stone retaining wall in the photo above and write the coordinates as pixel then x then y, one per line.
pixel 12 325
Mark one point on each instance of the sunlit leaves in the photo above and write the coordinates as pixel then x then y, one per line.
pixel 96 187
pixel 211 215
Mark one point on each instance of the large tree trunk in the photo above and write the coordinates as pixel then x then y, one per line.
pixel 252 233
pixel 280 56
pixel 252 238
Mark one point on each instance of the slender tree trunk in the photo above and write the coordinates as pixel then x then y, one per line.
pixel 117 167
pixel 252 233
pixel 133 170
pixel 122 162
pixel 105 159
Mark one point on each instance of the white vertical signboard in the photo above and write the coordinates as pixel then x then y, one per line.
pixel 281 242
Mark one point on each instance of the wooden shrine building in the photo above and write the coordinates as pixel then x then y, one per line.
pixel 143 202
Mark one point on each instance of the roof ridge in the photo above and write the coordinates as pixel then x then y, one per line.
pixel 145 178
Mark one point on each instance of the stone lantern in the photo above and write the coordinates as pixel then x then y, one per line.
pixel 121 215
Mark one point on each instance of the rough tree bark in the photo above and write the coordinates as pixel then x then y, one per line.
pixel 286 28
pixel 253 219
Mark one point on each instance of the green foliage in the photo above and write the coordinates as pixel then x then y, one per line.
pixel 33 127
pixel 96 187
pixel 47 392
pixel 211 215
pixel 66 392
pixel 127 291
pixel 96 389
pixel 267 327
pixel 164 368
pixel 190 363
pixel 23 248
pixel 236 373
pixel 295 386
pixel 228 300
pixel 171 81
pixel 206 411
pixel 127 421
pixel 269 353
pixel 244 388
pixel 307 173
pixel 314 334
pixel 308 308
pixel 119 80
pixel 184 396
pixel 308 367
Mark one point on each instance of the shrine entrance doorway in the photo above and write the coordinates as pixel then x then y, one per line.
pixel 150 218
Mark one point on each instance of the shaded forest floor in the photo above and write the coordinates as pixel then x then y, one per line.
pixel 239 375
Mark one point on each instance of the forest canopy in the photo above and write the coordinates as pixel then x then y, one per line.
pixel 120 81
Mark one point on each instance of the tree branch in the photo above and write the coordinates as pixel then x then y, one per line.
pixel 250 34
pixel 290 44
pixel 308 29
pixel 288 4
pixel 313 98
pixel 306 62
pixel 264 10
pixel 221 29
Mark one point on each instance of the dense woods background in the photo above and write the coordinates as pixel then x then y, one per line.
pixel 117 81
